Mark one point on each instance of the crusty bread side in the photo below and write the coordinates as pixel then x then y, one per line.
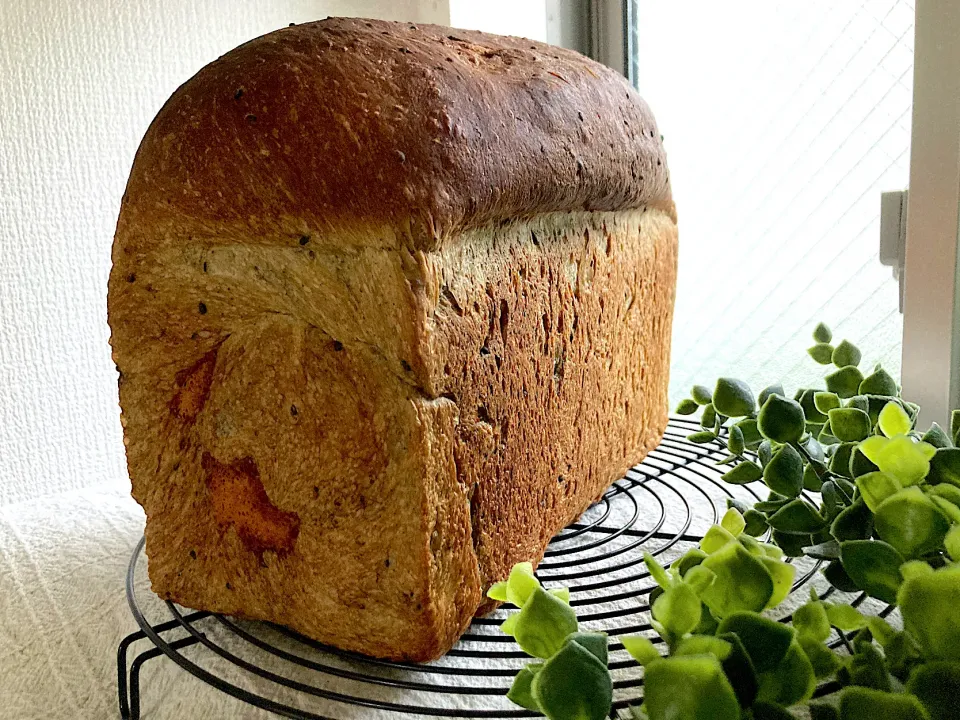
pixel 355 393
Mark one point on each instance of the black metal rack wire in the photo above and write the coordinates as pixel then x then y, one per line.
pixel 663 505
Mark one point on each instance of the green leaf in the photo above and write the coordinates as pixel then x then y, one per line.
pixel 704 645
pixel 702 438
pixel 640 648
pixel 860 703
pixel 521 692
pixel 894 420
pixel 811 621
pixel 845 382
pixel 829 550
pixel 739 669
pixel 751 434
pixel 952 543
pixel 876 487
pixel 826 401
pixel 860 464
pixel 791 682
pixel 743 581
pixel 509 626
pixel 792 545
pixel 846 354
pixel 822 333
pixel 733 398
pixel 823 660
pixel 854 522
pixel 937 437
pixel 781 420
pixel 821 353
pixel 715 538
pixel 701 395
pixel 845 618
pixel 735 443
pixel 879 382
pixel 811 481
pixel 806 400
pixel 687 407
pixel 756 523
pixel 911 523
pixel 743 473
pixel 937 686
pixel 797 517
pixel 562 593
pixel 947 492
pixel 945 467
pixel 498 591
pixel 814 450
pixel 709 418
pixel 906 460
pixel 659 575
pixel 928 604
pixel 766 641
pixel 733 522
pixel 955 425
pixel 838 577
pixel 776 389
pixel 699 579
pixel 840 461
pixel 859 402
pixel 595 642
pixel 543 624
pixel 784 473
pixel 690 559
pixel 691 688
pixel 867 667
pixel 521 584
pixel 850 424
pixel 764 452
pixel 873 566
pixel 782 575
pixel 678 609
pixel 573 685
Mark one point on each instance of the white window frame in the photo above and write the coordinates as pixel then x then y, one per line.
pixel 931 316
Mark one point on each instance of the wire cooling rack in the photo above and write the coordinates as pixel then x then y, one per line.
pixel 663 505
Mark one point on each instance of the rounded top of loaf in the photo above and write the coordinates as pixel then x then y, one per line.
pixel 348 123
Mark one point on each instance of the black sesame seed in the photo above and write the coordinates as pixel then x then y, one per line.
pixel 193 554
pixel 406 365
pixel 304 239
pixel 251 118
pixel 238 94
pixel 202 308
pixel 337 345
pixel 131 277
pixel 293 410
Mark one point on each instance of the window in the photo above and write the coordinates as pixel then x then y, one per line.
pixel 783 123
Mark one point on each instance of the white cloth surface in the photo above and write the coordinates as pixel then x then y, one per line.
pixel 63 610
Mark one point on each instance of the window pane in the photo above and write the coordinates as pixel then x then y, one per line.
pixel 783 123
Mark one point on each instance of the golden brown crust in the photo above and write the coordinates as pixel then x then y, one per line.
pixel 354 393
pixel 316 125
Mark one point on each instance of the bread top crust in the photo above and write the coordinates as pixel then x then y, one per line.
pixel 327 125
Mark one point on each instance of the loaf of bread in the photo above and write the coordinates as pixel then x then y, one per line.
pixel 391 305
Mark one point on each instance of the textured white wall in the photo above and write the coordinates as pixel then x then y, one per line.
pixel 79 84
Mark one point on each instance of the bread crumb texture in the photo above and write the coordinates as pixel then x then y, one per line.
pixel 352 419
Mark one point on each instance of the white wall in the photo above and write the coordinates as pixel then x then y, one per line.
pixel 79 84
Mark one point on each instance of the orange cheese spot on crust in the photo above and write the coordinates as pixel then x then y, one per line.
pixel 239 499
pixel 193 387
